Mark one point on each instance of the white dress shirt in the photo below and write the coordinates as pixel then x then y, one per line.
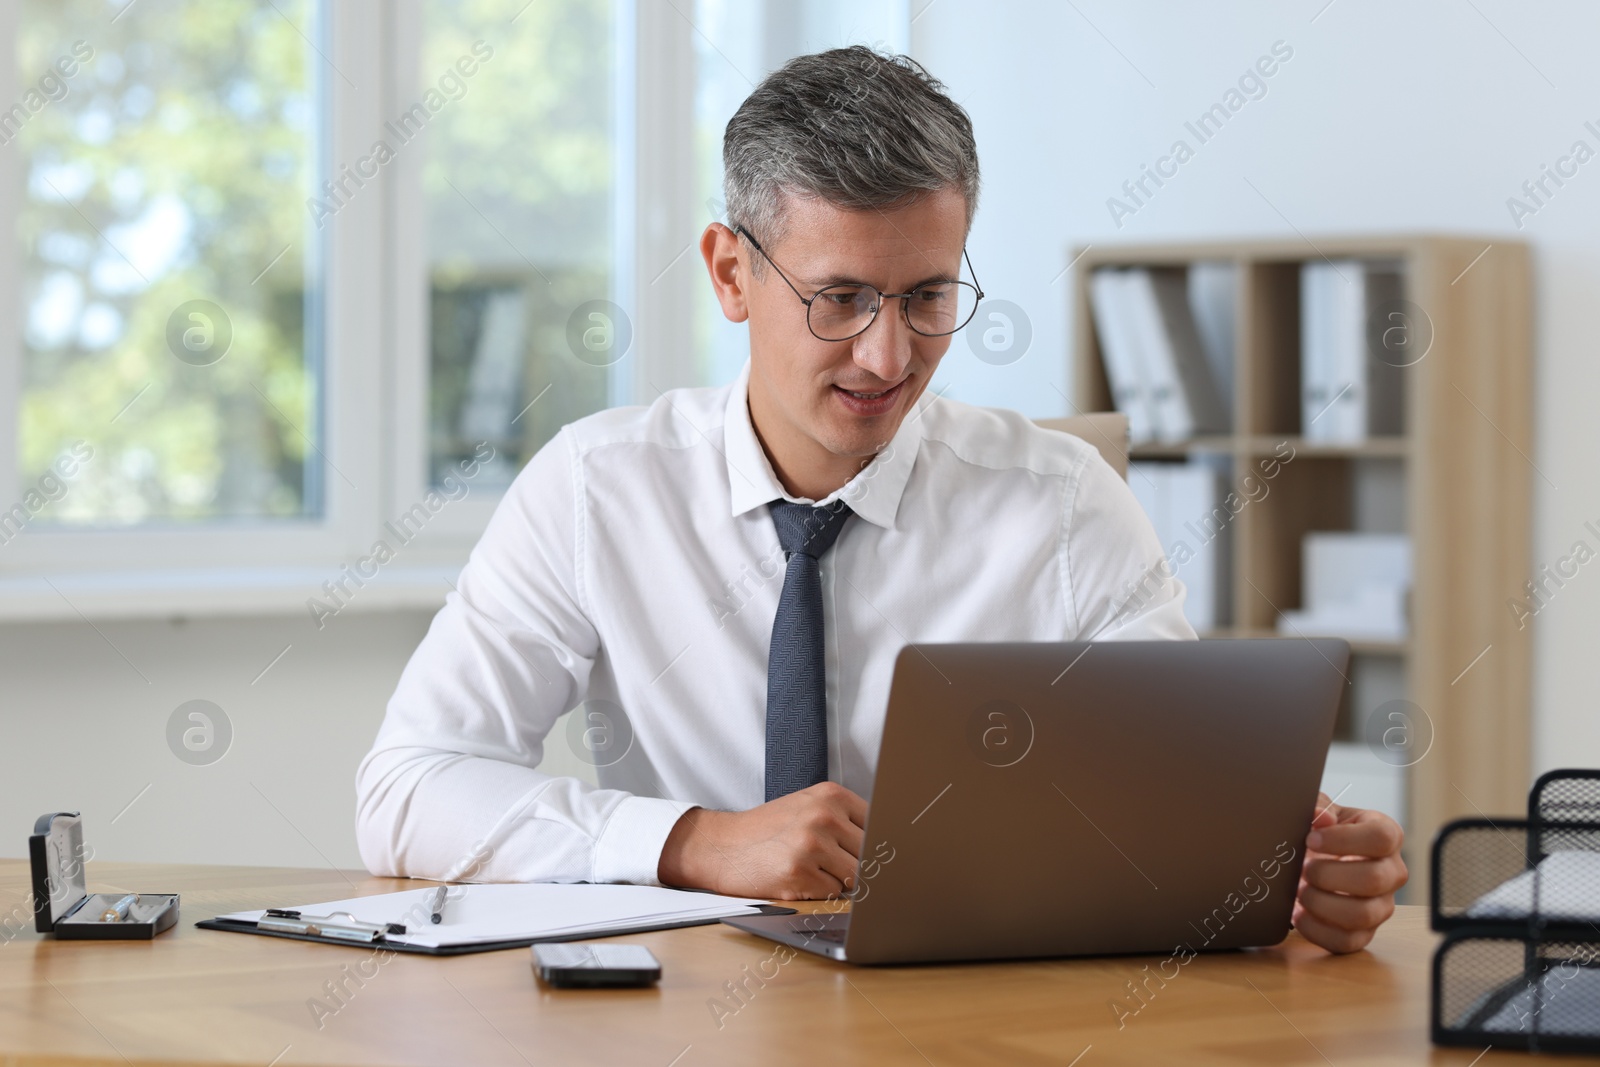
pixel 633 564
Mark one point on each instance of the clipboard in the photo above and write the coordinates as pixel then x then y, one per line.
pixel 569 912
pixel 240 926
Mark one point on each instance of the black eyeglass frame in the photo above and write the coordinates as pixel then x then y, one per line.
pixel 904 298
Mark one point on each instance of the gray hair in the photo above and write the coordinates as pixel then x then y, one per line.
pixel 855 127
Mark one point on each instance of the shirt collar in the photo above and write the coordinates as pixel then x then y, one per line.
pixel 874 493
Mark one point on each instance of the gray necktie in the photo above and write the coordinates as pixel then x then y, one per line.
pixel 797 708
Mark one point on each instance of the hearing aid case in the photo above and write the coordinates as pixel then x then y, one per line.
pixel 62 904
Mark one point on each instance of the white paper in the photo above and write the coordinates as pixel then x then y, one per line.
pixel 501 912
pixel 1560 1001
pixel 1335 563
pixel 1568 889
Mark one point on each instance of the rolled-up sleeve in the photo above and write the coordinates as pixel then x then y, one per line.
pixel 1121 584
pixel 451 788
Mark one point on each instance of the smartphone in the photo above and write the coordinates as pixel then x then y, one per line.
pixel 593 964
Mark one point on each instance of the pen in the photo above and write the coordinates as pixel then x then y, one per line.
pixel 277 914
pixel 342 926
pixel 118 912
pixel 436 909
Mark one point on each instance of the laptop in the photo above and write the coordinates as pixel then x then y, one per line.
pixel 1085 798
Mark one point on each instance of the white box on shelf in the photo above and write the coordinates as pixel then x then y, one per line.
pixel 1373 612
pixel 1338 563
pixel 1355 585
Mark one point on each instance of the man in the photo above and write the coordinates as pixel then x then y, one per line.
pixel 725 576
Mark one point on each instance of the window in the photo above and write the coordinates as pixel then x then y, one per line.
pixel 169 331
pixel 518 191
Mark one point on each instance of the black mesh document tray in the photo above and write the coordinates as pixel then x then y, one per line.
pixel 1519 902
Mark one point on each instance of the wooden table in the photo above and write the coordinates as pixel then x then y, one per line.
pixel 199 996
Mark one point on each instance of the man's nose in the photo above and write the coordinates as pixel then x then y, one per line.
pixel 885 347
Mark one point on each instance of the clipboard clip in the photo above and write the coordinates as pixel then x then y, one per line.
pixel 341 925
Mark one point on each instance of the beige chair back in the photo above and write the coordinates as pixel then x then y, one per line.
pixel 1106 430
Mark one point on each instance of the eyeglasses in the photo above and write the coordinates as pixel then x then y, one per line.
pixel 840 312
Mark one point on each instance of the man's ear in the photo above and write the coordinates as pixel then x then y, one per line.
pixel 725 262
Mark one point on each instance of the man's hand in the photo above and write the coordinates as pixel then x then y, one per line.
pixel 1352 870
pixel 799 847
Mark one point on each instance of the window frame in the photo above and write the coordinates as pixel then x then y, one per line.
pixel 348 358
pixel 375 357
pixel 653 92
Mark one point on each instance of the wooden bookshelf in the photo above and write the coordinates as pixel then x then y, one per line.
pixel 1463 461
pixel 1360 646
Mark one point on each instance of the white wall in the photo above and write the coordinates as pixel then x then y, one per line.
pixel 85 731
pixel 1389 117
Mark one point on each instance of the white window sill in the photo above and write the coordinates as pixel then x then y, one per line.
pixel 235 592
